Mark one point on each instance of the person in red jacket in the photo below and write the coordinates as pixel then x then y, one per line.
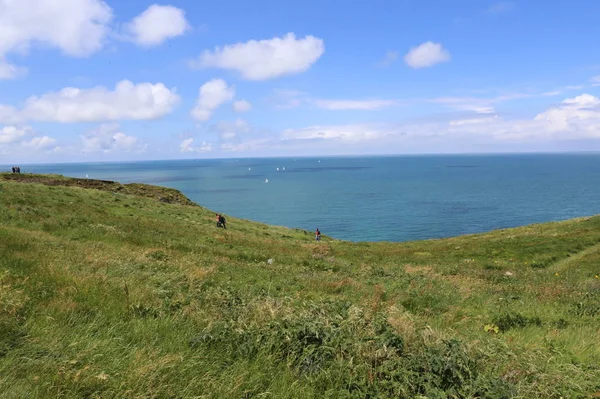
pixel 318 235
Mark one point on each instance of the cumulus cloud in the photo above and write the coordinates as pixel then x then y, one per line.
pixel 426 55
pixel 265 59
pixel 354 104
pixel 187 145
pixel 212 95
pixel 156 25
pixel 143 101
pixel 242 106
pixel 108 138
pixel 76 27
pixel 12 134
pixel 577 116
pixel 13 137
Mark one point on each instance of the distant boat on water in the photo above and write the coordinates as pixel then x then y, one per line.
pixel 266 180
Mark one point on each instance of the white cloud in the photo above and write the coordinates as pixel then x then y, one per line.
pixel 14 137
pixel 285 99
pixel 595 81
pixel 471 121
pixel 212 95
pixel 354 104
pixel 577 116
pixel 187 145
pixel 157 24
pixel 230 130
pixel 143 101
pixel 265 59
pixel 10 71
pixel 426 55
pixel 76 27
pixel 9 114
pixel 482 105
pixel 40 143
pixel 241 106
pixel 474 104
pixel 350 133
pixel 13 134
pixel 108 138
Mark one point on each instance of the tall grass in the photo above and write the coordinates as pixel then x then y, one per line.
pixel 111 295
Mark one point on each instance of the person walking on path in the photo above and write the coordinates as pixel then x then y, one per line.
pixel 318 235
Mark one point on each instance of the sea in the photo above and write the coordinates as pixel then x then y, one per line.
pixel 375 198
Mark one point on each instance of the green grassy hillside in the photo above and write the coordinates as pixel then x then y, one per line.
pixel 132 292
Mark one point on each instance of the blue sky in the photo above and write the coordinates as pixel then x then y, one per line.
pixel 92 80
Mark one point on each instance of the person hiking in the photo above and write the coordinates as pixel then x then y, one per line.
pixel 222 220
pixel 218 220
pixel 318 235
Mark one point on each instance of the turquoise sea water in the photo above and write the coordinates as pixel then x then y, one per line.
pixel 395 198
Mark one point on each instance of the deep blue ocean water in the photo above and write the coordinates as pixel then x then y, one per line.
pixel 396 198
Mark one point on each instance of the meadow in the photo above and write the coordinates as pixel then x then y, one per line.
pixel 131 291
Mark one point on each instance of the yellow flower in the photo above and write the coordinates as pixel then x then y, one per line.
pixel 596 276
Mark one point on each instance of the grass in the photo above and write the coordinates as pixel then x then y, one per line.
pixel 115 292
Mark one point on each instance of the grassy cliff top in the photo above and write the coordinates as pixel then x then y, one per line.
pixel 130 291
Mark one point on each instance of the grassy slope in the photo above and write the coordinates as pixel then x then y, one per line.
pixel 104 294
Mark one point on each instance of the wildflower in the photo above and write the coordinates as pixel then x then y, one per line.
pixel 556 274
pixel 596 276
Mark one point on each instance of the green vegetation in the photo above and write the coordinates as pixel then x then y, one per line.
pixel 114 293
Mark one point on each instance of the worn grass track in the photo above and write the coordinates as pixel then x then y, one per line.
pixel 106 294
pixel 573 259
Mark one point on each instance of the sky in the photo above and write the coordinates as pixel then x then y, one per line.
pixel 93 80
